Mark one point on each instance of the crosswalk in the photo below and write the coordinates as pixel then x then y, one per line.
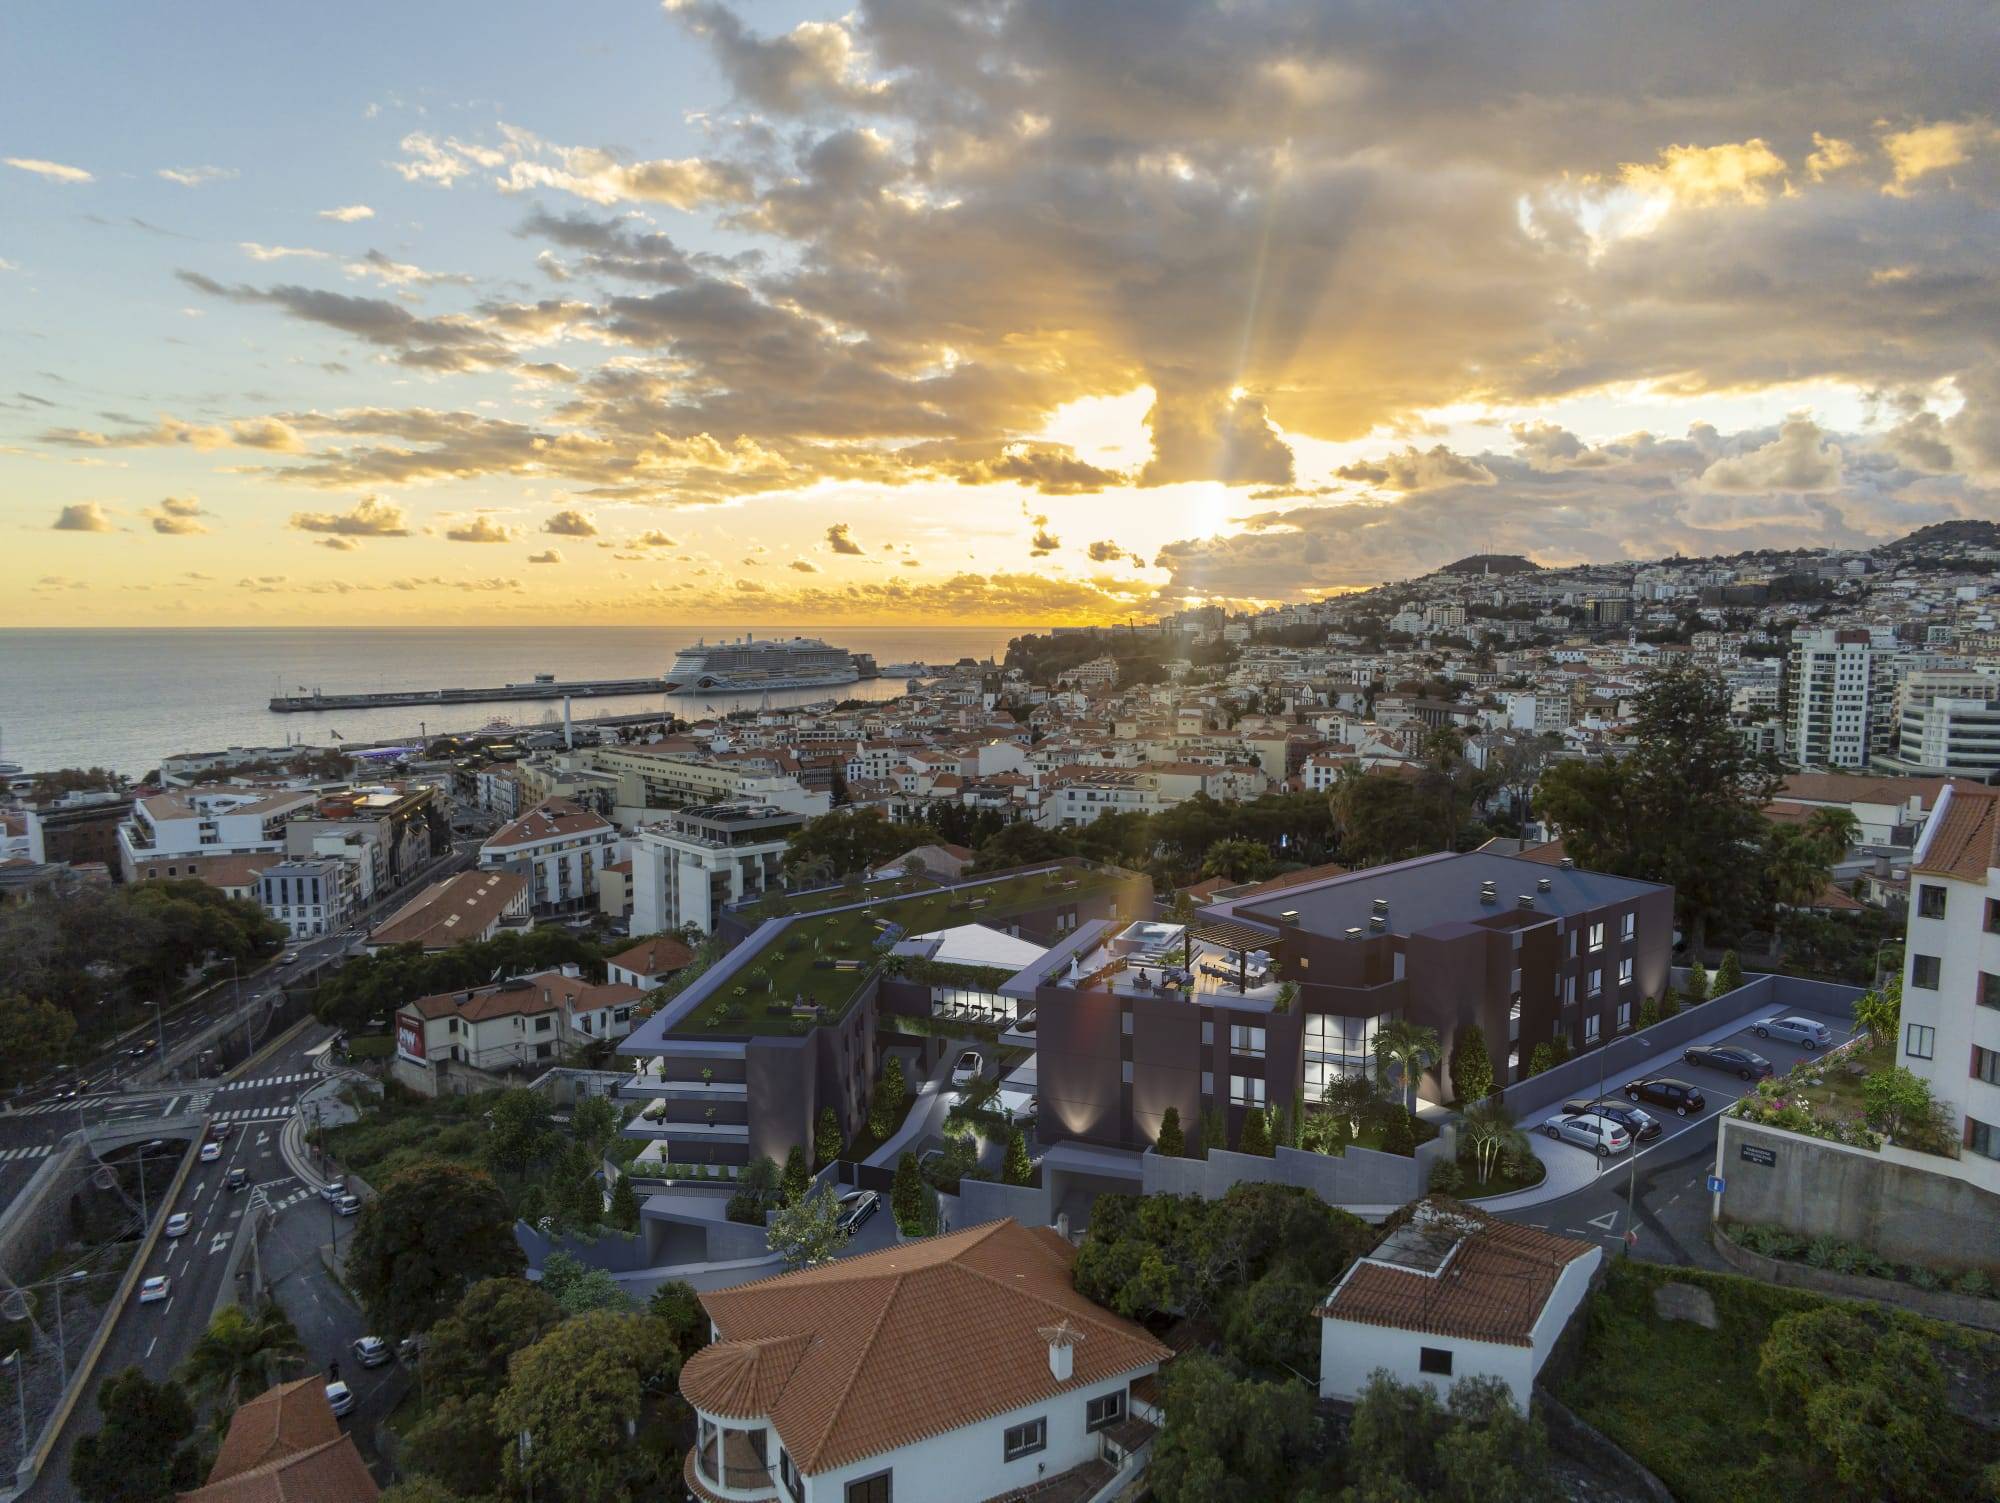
pixel 32 1151
pixel 269 1080
pixel 43 1109
pixel 255 1114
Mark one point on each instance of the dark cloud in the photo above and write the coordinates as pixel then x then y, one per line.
pixel 446 343
pixel 83 516
pixel 571 523
pixel 838 540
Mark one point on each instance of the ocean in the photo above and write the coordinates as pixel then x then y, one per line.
pixel 123 699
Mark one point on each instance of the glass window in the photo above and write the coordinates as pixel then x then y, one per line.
pixel 1930 901
pixel 1025 1440
pixel 1596 982
pixel 1247 1039
pixel 1989 989
pixel 1592 1027
pixel 1919 1041
pixel 873 1489
pixel 1625 972
pixel 1105 1409
pixel 1434 1359
pixel 1597 936
pixel 1986 1065
pixel 1624 1015
pixel 1125 1067
pixel 1126 1022
pixel 1208 1033
pixel 1246 1090
pixel 1924 972
pixel 1207 1083
pixel 1628 926
pixel 1982 1138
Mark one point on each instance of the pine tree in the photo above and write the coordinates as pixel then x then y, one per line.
pixel 1170 1144
pixel 1214 1130
pixel 907 1194
pixel 826 1141
pixel 1697 984
pixel 1016 1170
pixel 889 1097
pixel 1670 1001
pixel 1728 975
pixel 624 1205
pixel 1472 1066
pixel 1256 1136
pixel 1543 1058
pixel 796 1176
pixel 1649 1012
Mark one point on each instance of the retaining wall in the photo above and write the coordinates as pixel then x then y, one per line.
pixel 1939 1304
pixel 1359 1177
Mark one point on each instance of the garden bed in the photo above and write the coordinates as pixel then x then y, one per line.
pixel 1829 1096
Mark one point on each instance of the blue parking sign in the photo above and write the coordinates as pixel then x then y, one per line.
pixel 1716 1184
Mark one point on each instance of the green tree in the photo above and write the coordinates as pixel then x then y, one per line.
pixel 1491 1452
pixel 594 1122
pixel 1471 1066
pixel 467 1352
pixel 1728 975
pixel 457 1445
pixel 1237 861
pixel 575 1196
pixel 1170 1144
pixel 846 841
pixel 1670 1001
pixel 1017 1169
pixel 797 1177
pixel 1900 1103
pixel 808 1232
pixel 909 1196
pixel 1696 990
pixel 576 1287
pixel 891 1094
pixel 140 1453
pixel 519 1132
pixel 1350 1098
pixel 826 1139
pixel 1270 1322
pixel 1684 807
pixel 241 1354
pixel 624 1212
pixel 1392 1439
pixel 1411 1048
pixel 1228 1439
pixel 1214 1131
pixel 419 1489
pixel 576 1397
pixel 1649 1012
pixel 433 1231
pixel 1542 1059
pixel 33 1036
pixel 1256 1135
pixel 679 1307
pixel 757 1190
pixel 1399 1133
pixel 1881 1013
pixel 1487 1130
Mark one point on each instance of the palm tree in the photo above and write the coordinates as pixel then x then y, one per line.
pixel 241 1354
pixel 1833 831
pixel 1487 1129
pixel 1411 1048
pixel 1796 867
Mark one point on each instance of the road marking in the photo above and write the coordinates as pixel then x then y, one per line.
pixel 221 1241
pixel 151 1344
pixel 168 1109
pixel 1605 1222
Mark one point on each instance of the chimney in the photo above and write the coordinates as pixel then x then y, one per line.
pixel 1488 897
pixel 569 734
pixel 1567 864
pixel 1378 924
pixel 1526 900
pixel 1381 907
pixel 1543 884
pixel 1062 1338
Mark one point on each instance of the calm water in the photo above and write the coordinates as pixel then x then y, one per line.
pixel 125 698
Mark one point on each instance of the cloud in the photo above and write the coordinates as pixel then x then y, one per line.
pixel 398 273
pixel 178 516
pixel 1801 458
pixel 546 556
pixel 348 213
pixel 337 543
pixel 194 177
pixel 84 516
pixel 258 252
pixel 524 161
pixel 1924 149
pixel 482 529
pixel 247 433
pixel 815 65
pixel 571 523
pixel 450 342
pixel 1044 542
pixel 652 539
pixel 55 172
pixel 1739 172
pixel 803 566
pixel 1830 155
pixel 1105 551
pixel 371 518
pixel 838 540
pixel 1412 470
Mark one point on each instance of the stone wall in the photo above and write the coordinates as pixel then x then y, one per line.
pixel 1359 1177
pixel 1939 1304
pixel 1907 1207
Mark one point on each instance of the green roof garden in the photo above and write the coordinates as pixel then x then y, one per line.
pixel 827 954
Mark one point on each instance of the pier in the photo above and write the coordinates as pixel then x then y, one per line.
pixel 543 686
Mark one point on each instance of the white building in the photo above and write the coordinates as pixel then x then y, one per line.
pixel 1450 1295
pixel 311 896
pixel 1839 690
pixel 522 1023
pixel 1948 722
pixel 223 821
pixel 959 1367
pixel 696 862
pixel 1951 978
pixel 560 848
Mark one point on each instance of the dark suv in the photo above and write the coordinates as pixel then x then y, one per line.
pixel 1643 1126
pixel 1663 1090
pixel 1740 1062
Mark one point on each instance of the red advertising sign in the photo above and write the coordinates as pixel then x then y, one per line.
pixel 410 1036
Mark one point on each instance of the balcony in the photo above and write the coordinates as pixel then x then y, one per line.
pixel 736 1474
pixel 651 1082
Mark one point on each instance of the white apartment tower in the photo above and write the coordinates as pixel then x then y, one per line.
pixel 1948 721
pixel 1839 688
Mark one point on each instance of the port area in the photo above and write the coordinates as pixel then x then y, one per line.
pixel 542 687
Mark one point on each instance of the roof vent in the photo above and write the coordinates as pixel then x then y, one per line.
pixel 1354 932
pixel 1525 900
pixel 1289 916
pixel 1062 1338
pixel 1543 884
pixel 1488 896
pixel 1379 923
pixel 1381 905
pixel 1567 864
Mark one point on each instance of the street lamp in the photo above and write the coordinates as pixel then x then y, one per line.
pixel 13 1360
pixel 15 1306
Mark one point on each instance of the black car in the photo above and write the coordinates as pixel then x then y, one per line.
pixel 1738 1062
pixel 1643 1126
pixel 1664 1090
pixel 237 1179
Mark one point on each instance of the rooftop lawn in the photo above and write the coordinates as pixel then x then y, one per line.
pixel 791 966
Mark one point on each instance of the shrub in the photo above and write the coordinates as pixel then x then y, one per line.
pixel 1256 1135
pixel 1728 975
pixel 1923 1278
pixel 1471 1065
pixel 1974 1282
pixel 1399 1134
pixel 1697 982
pixel 1649 1012
pixel 1822 1250
pixel 1171 1144
pixel 826 1141
pixel 1447 1178
pixel 1670 1002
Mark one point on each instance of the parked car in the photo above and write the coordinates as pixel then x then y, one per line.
pixel 333 1189
pixel 1807 1033
pixel 291 957
pixel 63 1093
pixel 210 1152
pixel 1738 1062
pixel 966 1071
pixel 372 1350
pixel 856 1206
pixel 1600 1135
pixel 158 1287
pixel 221 1130
pixel 348 1205
pixel 237 1179
pixel 178 1223
pixel 339 1397
pixel 1642 1125
pixel 1663 1090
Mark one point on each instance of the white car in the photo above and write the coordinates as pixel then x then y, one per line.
pixel 158 1287
pixel 178 1223
pixel 1808 1033
pixel 210 1152
pixel 339 1397
pixel 966 1071
pixel 1599 1134
pixel 372 1350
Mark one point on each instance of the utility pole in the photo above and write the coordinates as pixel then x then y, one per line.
pixel 20 1367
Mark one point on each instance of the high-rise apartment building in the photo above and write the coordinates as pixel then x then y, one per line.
pixel 1947 721
pixel 1838 694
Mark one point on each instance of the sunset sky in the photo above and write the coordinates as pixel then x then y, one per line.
pixel 970 312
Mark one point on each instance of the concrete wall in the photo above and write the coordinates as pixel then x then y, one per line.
pixel 1359 1177
pixel 1908 1207
pixel 981 1200
pixel 1350 1351
pixel 1938 1304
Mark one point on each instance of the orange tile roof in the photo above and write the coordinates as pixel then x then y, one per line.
pixel 883 1360
pixel 280 1421
pixel 1492 1285
pixel 525 996
pixel 448 912
pixel 330 1473
pixel 1960 842
pixel 285 1446
pixel 551 818
pixel 1854 788
pixel 655 955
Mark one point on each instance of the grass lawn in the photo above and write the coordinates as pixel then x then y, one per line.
pixel 401 1129
pixel 826 957
pixel 1686 1401
pixel 380 1046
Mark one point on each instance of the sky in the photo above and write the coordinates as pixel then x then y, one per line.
pixel 971 311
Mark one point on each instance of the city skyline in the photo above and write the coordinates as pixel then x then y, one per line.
pixel 1007 314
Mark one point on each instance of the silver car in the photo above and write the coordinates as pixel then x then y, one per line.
pixel 1600 1135
pixel 1808 1033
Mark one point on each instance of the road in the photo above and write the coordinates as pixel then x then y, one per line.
pixel 1666 1181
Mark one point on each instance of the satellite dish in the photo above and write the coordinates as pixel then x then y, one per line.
pixel 104 1177
pixel 14 1305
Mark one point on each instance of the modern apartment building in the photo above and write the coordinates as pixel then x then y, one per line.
pixel 1951 976
pixel 697 861
pixel 310 895
pixel 391 829
pixel 1267 997
pixel 1947 722
pixel 652 781
pixel 223 821
pixel 1838 692
pixel 559 848
pixel 79 828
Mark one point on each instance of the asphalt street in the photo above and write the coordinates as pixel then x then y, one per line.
pixel 1665 1182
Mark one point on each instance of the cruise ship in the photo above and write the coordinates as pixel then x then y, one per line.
pixel 755 663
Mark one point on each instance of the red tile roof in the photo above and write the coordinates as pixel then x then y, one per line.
pixel 285 1446
pixel 446 913
pixel 655 955
pixel 1961 841
pixel 549 819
